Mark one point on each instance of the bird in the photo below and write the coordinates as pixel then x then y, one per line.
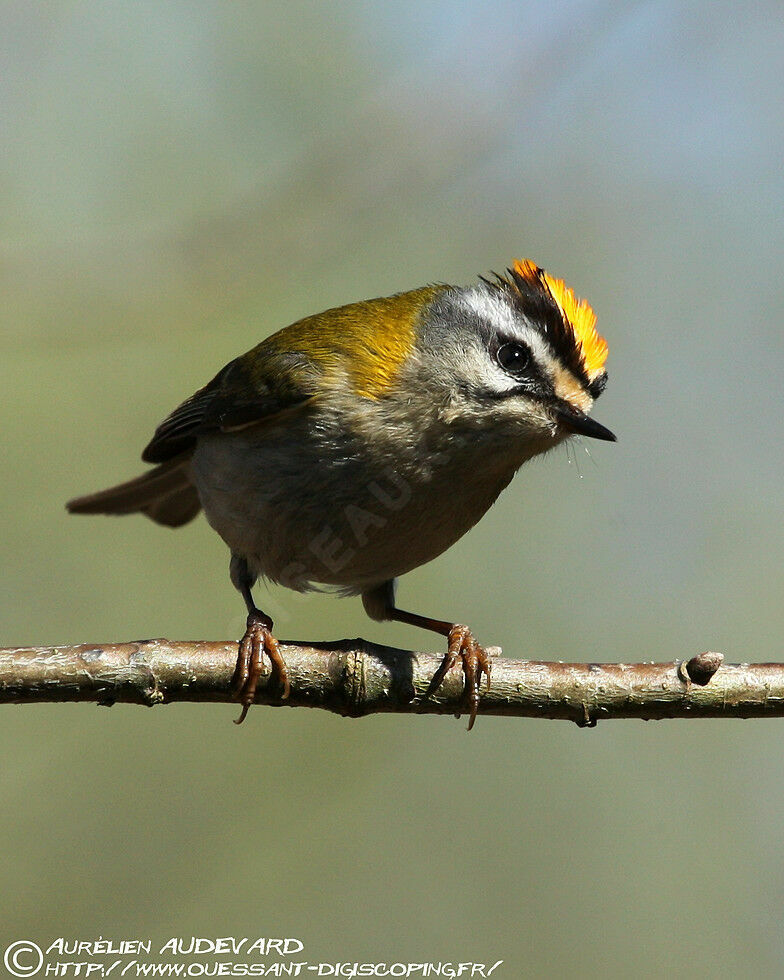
pixel 359 443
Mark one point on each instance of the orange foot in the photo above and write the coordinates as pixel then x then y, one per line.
pixel 257 641
pixel 475 663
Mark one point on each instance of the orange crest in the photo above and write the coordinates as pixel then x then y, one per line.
pixel 577 313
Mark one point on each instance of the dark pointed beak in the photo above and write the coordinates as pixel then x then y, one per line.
pixel 575 421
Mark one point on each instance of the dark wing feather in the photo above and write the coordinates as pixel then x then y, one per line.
pixel 256 387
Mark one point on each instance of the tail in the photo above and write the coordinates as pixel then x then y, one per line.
pixel 165 494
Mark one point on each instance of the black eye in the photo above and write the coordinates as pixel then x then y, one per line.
pixel 514 358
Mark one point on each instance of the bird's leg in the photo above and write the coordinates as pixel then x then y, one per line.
pixel 380 604
pixel 257 641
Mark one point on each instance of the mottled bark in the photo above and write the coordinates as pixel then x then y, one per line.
pixel 355 678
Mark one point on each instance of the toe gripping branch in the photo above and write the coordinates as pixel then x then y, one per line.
pixel 475 663
pixel 257 641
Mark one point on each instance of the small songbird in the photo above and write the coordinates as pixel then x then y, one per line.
pixel 359 443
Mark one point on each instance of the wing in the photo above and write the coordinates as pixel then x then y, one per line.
pixel 363 344
pixel 257 387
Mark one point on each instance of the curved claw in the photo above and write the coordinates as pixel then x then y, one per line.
pixel 475 663
pixel 257 641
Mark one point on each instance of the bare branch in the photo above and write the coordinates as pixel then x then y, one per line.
pixel 355 678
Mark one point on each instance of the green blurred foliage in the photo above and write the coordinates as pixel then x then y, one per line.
pixel 180 180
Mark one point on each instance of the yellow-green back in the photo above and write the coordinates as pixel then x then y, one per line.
pixel 368 341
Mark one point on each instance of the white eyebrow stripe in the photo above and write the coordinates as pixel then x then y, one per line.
pixel 498 313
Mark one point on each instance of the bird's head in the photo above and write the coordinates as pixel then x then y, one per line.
pixel 516 357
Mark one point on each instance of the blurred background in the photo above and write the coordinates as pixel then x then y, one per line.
pixel 180 180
